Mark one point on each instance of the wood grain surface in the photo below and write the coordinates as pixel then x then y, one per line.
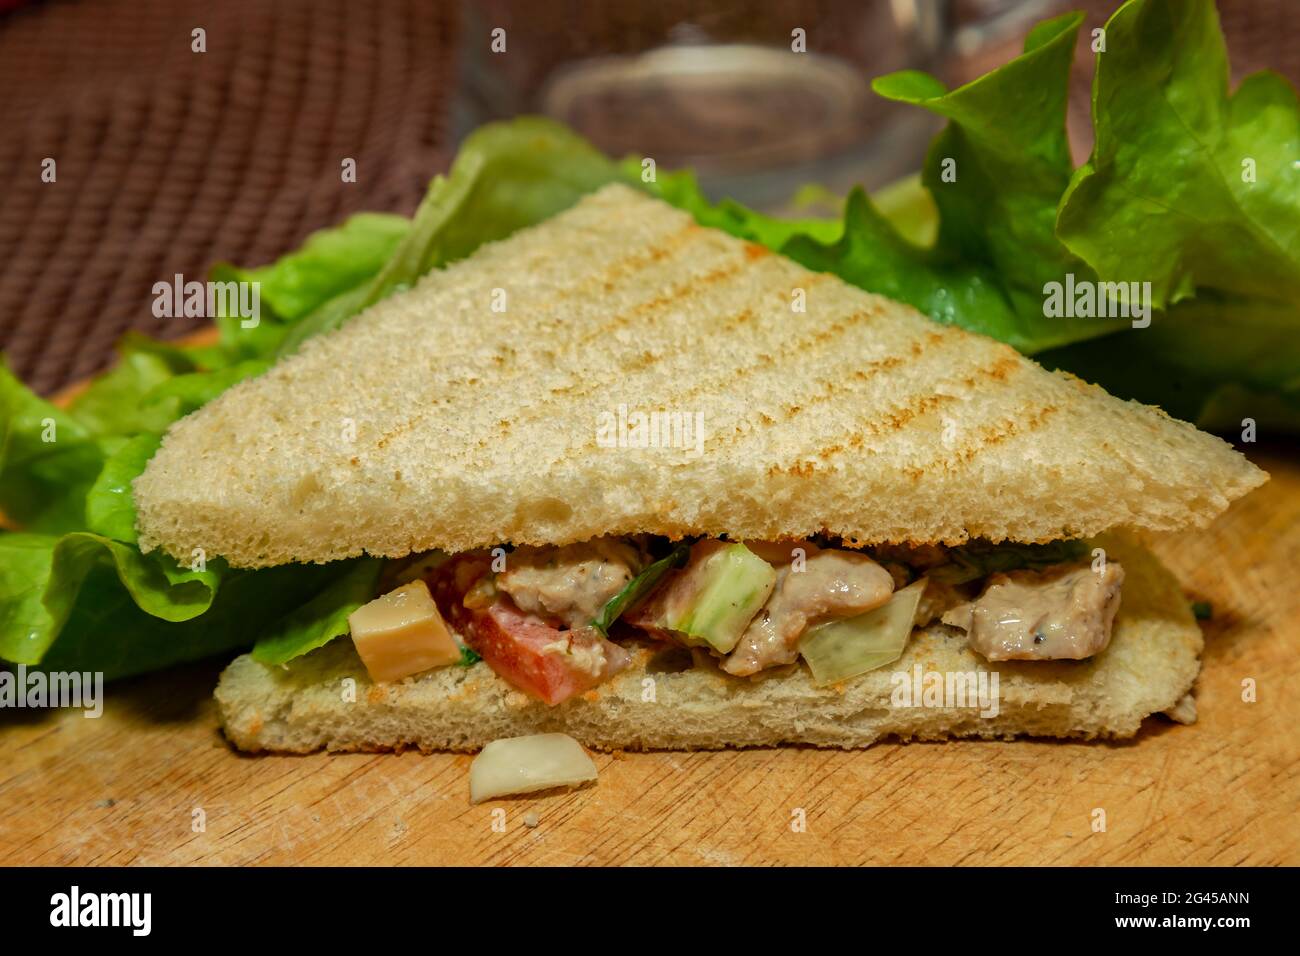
pixel 131 786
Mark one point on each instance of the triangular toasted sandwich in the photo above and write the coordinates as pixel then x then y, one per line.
pixel 678 491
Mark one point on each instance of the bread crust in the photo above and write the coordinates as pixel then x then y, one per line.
pixel 1149 667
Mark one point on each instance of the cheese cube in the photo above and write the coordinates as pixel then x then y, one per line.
pixel 402 633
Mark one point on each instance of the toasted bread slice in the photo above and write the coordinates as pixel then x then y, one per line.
pixel 326 701
pixel 433 421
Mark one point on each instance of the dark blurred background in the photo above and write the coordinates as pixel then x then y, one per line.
pixel 169 160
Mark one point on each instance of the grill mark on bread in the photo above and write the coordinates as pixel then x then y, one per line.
pixel 822 336
pixel 544 316
pixel 662 249
pixel 986 438
pixel 767 360
pixel 639 362
pixel 790 348
pixel 830 388
pixel 1007 362
pixel 899 416
pixel 746 315
pixel 625 268
pixel 645 359
pixel 653 309
pixel 674 242
pixel 649 311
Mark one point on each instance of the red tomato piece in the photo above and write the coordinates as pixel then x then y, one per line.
pixel 526 652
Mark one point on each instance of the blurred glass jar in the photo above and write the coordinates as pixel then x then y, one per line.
pixel 758 97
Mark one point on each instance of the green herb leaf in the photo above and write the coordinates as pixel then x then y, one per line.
pixel 639 587
pixel 979 559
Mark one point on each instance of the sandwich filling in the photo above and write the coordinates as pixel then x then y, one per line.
pixel 557 621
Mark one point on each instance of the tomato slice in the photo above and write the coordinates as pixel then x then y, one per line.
pixel 543 661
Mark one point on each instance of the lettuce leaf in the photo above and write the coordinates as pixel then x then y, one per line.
pixel 1196 191
pixel 872 255
pixel 48 460
pixel 112 404
pixel 26 625
pixel 181 394
pixel 107 631
pixel 41 579
pixel 110 509
pixel 331 264
pixel 681 189
pixel 1000 166
pixel 1165 197
pixel 1213 360
pixel 120 402
pixel 321 619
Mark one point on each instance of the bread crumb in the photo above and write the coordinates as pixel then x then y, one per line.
pixel 1183 712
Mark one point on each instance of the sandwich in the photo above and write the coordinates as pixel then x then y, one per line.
pixel 638 481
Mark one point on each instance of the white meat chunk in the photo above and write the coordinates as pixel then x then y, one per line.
pixel 571 583
pixel 832 584
pixel 1064 612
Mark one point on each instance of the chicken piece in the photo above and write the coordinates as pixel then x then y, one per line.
pixel 1064 612
pixel 571 584
pixel 832 583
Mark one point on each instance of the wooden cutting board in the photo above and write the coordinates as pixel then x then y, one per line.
pixel 135 785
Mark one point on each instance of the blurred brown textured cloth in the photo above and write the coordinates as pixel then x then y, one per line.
pixel 170 160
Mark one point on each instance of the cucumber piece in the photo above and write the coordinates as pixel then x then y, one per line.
pixel 846 648
pixel 727 584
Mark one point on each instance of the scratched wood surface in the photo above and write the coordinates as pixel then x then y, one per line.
pixel 125 788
